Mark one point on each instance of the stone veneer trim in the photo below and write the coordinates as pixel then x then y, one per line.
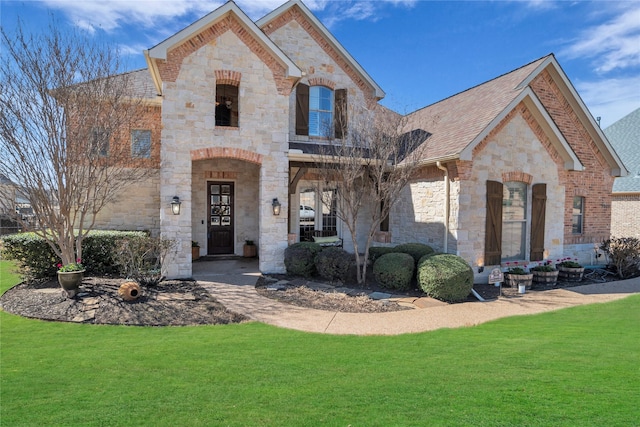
pixel 226 152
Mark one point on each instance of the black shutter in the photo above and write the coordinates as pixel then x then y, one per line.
pixel 538 209
pixel 302 109
pixel 340 118
pixel 493 229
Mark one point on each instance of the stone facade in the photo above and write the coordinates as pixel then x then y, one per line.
pixel 625 215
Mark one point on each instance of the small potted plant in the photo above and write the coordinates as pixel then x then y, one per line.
pixel 70 276
pixel 517 277
pixel 249 250
pixel 544 274
pixel 195 250
pixel 570 270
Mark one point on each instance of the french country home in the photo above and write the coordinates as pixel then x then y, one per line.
pixel 514 169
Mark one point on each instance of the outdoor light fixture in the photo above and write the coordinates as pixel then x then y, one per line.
pixel 175 205
pixel 276 206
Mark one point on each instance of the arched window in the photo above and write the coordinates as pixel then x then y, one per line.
pixel 321 111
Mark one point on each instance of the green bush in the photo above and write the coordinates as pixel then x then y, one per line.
pixel 445 277
pixel 299 258
pixel 394 271
pixel 99 250
pixel 376 252
pixel 416 250
pixel 34 257
pixel 333 263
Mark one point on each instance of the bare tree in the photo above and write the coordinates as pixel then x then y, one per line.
pixel 65 116
pixel 369 166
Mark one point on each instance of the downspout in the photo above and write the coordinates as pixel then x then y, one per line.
pixel 447 195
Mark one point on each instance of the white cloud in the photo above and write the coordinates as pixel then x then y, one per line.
pixel 114 14
pixel 615 43
pixel 610 99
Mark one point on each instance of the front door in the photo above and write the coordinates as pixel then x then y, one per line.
pixel 220 196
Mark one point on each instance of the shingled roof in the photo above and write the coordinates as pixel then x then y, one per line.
pixel 456 122
pixel 624 136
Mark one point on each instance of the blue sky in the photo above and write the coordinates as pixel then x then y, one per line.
pixel 419 52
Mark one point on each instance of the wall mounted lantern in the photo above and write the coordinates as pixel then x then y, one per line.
pixel 276 206
pixel 175 205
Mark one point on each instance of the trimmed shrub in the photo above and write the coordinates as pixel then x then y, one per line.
pixel 445 277
pixel 376 252
pixel 299 258
pixel 416 250
pixel 34 257
pixel 394 271
pixel 140 257
pixel 333 264
pixel 624 254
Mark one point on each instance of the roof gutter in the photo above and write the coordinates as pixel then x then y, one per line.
pixel 447 196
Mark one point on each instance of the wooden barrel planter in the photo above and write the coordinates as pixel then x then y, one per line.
pixel 545 278
pixel 514 280
pixel 570 274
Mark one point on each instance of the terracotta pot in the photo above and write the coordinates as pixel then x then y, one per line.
pixel 195 253
pixel 514 280
pixel 70 281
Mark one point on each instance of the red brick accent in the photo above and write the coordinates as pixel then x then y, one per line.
pixel 295 14
pixel 228 77
pixel 320 81
pixel 227 153
pixel 595 183
pixel 170 68
pixel 517 176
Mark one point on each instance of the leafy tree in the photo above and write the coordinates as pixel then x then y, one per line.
pixel 65 115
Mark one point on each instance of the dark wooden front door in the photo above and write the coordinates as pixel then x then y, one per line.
pixel 220 196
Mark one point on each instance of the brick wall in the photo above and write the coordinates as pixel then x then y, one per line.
pixel 625 215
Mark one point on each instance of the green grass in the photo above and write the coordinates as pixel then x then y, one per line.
pixel 574 367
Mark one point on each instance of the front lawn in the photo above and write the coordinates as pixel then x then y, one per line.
pixel 577 366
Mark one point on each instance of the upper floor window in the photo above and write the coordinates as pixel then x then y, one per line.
pixel 226 105
pixel 141 143
pixel 316 111
pixel 320 110
pixel 100 142
pixel 578 215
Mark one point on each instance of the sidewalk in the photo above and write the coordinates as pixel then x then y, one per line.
pixel 233 284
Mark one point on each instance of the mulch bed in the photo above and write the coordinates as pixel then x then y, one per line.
pixel 171 303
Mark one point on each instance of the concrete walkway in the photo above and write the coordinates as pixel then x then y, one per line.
pixel 232 282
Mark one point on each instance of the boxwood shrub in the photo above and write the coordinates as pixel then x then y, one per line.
pixel 416 250
pixel 394 271
pixel 445 277
pixel 334 263
pixel 299 258
pixel 376 252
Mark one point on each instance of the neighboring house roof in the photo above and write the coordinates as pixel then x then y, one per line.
pixel 335 44
pixel 159 52
pixel 142 84
pixel 624 136
pixel 459 123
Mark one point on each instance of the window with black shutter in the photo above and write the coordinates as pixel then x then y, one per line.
pixel 493 229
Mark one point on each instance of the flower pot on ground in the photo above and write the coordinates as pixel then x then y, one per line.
pixel 570 271
pixel 517 276
pixel 195 250
pixel 249 250
pixel 544 275
pixel 69 277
